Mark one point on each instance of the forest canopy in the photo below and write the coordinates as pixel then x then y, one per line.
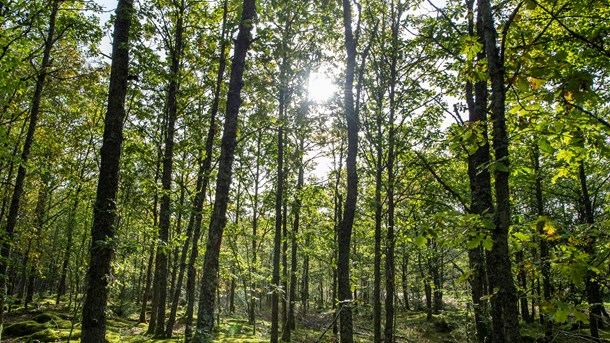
pixel 353 171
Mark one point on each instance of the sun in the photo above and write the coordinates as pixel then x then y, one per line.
pixel 320 87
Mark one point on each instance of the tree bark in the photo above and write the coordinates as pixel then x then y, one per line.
pixel 276 288
pixel 146 292
pixel 505 312
pixel 378 220
pixel 161 263
pixel 545 264
pixel 390 271
pixel 104 210
pixel 594 297
pixel 205 318
pixel 345 230
pixel 203 180
pixel 480 184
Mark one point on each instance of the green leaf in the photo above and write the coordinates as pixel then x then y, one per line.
pixel 488 243
pixel 420 241
pixel 521 236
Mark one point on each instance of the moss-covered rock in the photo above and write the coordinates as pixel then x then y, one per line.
pixel 46 335
pixel 23 329
pixel 46 317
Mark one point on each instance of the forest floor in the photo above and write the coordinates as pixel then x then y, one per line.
pixel 48 323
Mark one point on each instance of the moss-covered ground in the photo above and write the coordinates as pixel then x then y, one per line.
pixel 49 323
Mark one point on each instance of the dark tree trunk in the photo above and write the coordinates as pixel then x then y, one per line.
pixel 378 219
pixel 390 269
pixel 505 312
pixel 405 279
pixel 345 230
pixel 279 193
pixel 205 318
pixel 104 210
pixel 203 180
pixel 41 206
pixel 61 286
pixel 292 296
pixel 177 265
pixel 480 186
pixel 146 292
pixel 337 220
pixel 155 213
pixel 594 297
pixel 545 264
pixel 305 280
pixel 161 263
pixel 522 282
pixel 13 213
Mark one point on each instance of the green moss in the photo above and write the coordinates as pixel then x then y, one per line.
pixel 23 329
pixel 46 335
pixel 46 317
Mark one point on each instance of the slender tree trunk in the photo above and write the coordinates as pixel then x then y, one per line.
pixel 505 322
pixel 378 219
pixel 337 220
pixel 291 322
pixel 390 270
pixel 176 261
pixel 104 210
pixel 204 176
pixel 61 286
pixel 146 293
pixel 545 268
pixel 253 294
pixel 345 230
pixel 480 185
pixel 13 214
pixel 592 286
pixel 41 205
pixel 161 264
pixel 405 279
pixel 279 193
pixel 205 318
pixel 522 282
pixel 305 280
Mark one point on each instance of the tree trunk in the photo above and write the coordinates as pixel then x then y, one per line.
pixel 480 186
pixel 104 210
pixel 291 322
pixel 390 271
pixel 378 219
pixel 592 286
pixel 405 279
pixel 505 321
pixel 146 293
pixel 305 280
pixel 345 230
pixel 13 214
pixel 253 293
pixel 43 193
pixel 522 282
pixel 205 318
pixel 161 263
pixel 545 264
pixel 203 180
pixel 277 241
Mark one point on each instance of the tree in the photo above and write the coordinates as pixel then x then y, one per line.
pixel 205 318
pixel 505 323
pixel 13 213
pixel 345 229
pixel 104 212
